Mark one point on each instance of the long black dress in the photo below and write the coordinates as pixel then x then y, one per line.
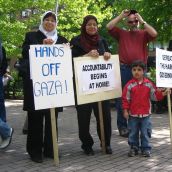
pixel 36 140
pixel 84 111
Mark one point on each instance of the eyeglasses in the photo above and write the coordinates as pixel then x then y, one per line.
pixel 134 21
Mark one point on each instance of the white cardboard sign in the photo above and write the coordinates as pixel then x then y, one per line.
pixel 51 73
pixel 97 79
pixel 163 68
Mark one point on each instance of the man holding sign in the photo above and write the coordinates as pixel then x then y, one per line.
pixel 89 43
pixel 37 142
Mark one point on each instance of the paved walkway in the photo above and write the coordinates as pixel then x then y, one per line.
pixel 16 159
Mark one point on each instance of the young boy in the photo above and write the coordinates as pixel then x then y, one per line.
pixel 136 101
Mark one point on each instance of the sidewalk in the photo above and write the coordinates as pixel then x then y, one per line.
pixel 15 158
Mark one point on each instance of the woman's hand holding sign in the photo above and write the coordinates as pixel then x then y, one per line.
pixel 48 41
pixel 93 53
pixel 107 55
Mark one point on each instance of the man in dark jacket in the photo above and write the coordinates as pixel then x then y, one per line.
pixel 6 131
pixel 3 67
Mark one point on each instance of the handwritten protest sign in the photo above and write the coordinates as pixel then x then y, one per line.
pixel 163 68
pixel 97 79
pixel 164 77
pixel 51 73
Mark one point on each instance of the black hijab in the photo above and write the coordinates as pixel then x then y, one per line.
pixel 89 42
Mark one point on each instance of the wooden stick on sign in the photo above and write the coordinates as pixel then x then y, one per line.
pixel 169 112
pixel 101 127
pixel 54 136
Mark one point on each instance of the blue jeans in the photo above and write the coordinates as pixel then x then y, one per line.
pixel 4 129
pixel 2 103
pixel 140 130
pixel 126 75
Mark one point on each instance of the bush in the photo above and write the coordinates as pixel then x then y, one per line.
pixel 14 89
pixel 152 76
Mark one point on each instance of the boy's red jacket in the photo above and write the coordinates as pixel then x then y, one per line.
pixel 137 97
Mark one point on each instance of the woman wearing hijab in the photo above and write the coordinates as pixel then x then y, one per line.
pixel 39 143
pixel 90 43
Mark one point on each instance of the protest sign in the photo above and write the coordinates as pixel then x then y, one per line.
pixel 97 79
pixel 51 73
pixel 163 68
pixel 164 76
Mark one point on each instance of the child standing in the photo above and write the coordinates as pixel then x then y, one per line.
pixel 136 100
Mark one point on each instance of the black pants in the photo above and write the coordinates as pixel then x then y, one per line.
pixel 84 114
pixel 39 138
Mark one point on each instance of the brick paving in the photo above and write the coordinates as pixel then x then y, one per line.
pixel 16 159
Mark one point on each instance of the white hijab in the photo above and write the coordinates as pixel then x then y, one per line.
pixel 53 34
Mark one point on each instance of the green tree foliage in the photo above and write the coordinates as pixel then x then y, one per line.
pixel 157 13
pixel 70 16
pixel 71 13
pixel 13 27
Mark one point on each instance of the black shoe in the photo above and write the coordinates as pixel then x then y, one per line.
pixel 88 151
pixel 36 158
pixel 146 153
pixel 132 152
pixel 159 111
pixel 123 132
pixel 48 155
pixel 108 150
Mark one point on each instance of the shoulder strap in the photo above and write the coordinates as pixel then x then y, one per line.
pixel 101 48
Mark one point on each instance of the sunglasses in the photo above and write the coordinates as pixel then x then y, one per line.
pixel 131 22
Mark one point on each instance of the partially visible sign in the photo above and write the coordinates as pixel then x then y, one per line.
pixel 163 68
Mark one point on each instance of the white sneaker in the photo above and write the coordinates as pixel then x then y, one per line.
pixel 6 142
